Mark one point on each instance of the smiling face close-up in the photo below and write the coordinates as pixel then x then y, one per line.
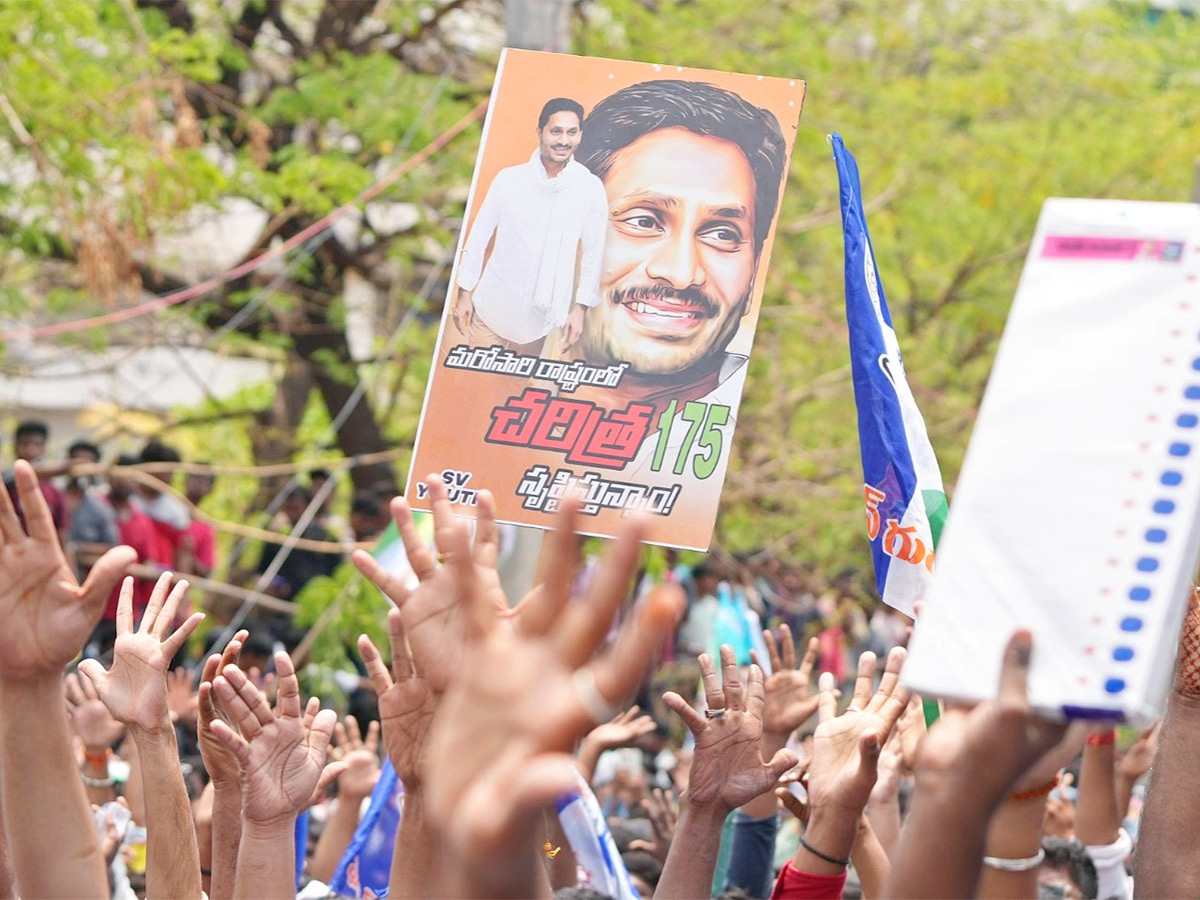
pixel 679 256
pixel 559 137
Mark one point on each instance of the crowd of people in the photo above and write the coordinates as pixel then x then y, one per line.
pixel 729 759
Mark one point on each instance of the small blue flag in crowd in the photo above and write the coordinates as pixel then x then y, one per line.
pixel 367 862
pixel 596 856
pixel 902 490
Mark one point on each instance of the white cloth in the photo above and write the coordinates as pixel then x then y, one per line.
pixel 541 225
pixel 1112 881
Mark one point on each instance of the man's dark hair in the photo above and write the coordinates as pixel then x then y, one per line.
pixel 156 451
pixel 127 459
pixel 1072 856
pixel 643 865
pixel 85 447
pixel 560 104
pixel 365 503
pixel 621 118
pixel 32 426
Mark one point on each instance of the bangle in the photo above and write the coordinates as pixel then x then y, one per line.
pixel 834 860
pixel 1037 792
pixel 96 782
pixel 97 759
pixel 1015 865
pixel 1102 739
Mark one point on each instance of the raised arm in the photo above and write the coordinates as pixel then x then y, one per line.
pixel 1166 861
pixel 968 763
pixel 282 758
pixel 728 770
pixel 354 786
pixel 135 692
pixel 47 617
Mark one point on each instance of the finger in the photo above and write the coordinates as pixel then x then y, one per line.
pixel 772 650
pixel 311 708
pixel 10 525
pixel 583 625
pixel 792 804
pixel 167 616
pixel 714 697
pixel 755 693
pixel 1014 671
pixel 391 586
pixel 729 678
pixel 891 711
pixel 789 646
pixel 444 520
pixel 403 667
pixel 826 701
pixel 352 731
pixel 175 642
pixel 33 503
pixel 376 671
pixel 104 575
pixel 340 740
pixel 328 776
pixel 158 596
pixel 810 659
pixel 783 760
pixel 204 701
pixel 232 653
pixel 455 545
pixel 891 677
pixel 94 677
pixel 868 752
pixel 486 550
pixel 863 682
pixel 89 689
pixel 371 745
pixel 236 744
pixel 693 720
pixel 320 731
pixel 288 697
pixel 236 707
pixel 74 692
pixel 125 607
pixel 620 669
pixel 420 557
pixel 563 547
pixel 254 700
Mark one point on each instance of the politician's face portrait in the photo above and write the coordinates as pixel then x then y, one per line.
pixel 559 137
pixel 679 255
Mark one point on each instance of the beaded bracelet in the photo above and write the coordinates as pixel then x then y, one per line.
pixel 1037 792
pixel 825 856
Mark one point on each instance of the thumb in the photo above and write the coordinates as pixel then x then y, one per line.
pixel 782 761
pixel 106 572
pixel 94 672
pixel 868 750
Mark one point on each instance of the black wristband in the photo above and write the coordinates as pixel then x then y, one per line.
pixel 825 856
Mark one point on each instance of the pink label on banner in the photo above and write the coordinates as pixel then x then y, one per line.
pixel 1060 246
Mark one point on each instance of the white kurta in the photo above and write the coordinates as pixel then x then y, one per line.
pixel 542 225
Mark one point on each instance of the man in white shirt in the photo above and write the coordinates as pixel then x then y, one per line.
pixel 543 219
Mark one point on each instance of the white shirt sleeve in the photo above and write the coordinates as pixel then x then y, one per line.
pixel 1109 859
pixel 470 264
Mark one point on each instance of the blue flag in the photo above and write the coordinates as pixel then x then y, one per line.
pixel 366 865
pixel 596 856
pixel 902 485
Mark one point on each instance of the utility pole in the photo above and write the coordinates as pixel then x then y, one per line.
pixel 538 25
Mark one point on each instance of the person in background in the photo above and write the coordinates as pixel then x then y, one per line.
pixel 168 513
pixel 29 444
pixel 197 486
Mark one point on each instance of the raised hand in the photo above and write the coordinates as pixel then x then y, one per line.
pixel 664 818
pixel 281 752
pixel 219 761
pixel 47 614
pixel 846 748
pixel 360 757
pixel 181 698
pixel 135 688
pixel 620 731
pixel 727 765
pixel 91 721
pixel 498 749
pixel 1137 760
pixel 406 702
pixel 790 699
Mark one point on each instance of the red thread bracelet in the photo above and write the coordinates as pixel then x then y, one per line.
pixel 1102 739
pixel 1037 792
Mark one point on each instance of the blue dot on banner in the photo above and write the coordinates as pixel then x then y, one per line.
pixel 1140 594
pixel 1196 364
pixel 1171 478
pixel 1131 623
pixel 1147 564
pixel 1163 507
pixel 1156 535
pixel 1179 449
pixel 1192 392
pixel 1123 654
pixel 1187 420
pixel 1114 685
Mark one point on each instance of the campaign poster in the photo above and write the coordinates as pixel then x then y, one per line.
pixel 605 292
